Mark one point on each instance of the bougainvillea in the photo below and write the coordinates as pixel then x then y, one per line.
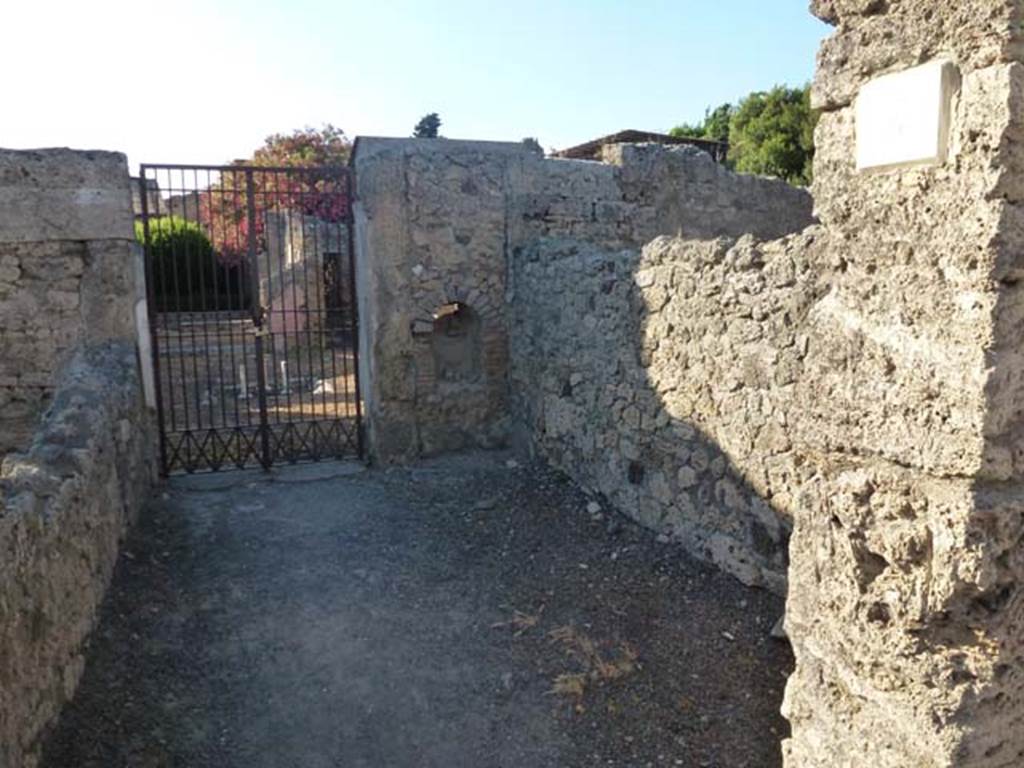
pixel 224 208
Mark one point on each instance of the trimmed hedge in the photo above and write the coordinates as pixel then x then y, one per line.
pixel 186 272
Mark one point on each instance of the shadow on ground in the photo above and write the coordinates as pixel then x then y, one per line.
pixel 460 612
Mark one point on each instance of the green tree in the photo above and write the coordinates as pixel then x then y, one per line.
pixel 714 126
pixel 688 131
pixel 769 132
pixel 716 122
pixel 772 133
pixel 533 144
pixel 428 127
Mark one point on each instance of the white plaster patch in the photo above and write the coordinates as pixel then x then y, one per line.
pixel 145 353
pixel 903 119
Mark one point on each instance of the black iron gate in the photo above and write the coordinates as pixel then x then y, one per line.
pixel 251 292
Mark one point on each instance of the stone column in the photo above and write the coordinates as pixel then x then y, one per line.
pixel 905 609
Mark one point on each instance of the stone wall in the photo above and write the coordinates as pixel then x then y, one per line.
pixel 64 505
pixel 661 379
pixel 642 191
pixel 859 385
pixel 437 224
pixel 863 380
pixel 66 271
pixel 293 283
pixel 431 230
pixel 906 560
pixel 70 379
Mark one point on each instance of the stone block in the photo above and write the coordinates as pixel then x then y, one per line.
pixel 903 119
pixel 62 194
pixel 876 37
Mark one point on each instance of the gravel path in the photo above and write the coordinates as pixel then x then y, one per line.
pixel 465 611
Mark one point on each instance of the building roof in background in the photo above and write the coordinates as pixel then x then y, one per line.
pixel 592 149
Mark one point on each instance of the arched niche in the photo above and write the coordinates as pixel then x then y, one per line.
pixel 455 344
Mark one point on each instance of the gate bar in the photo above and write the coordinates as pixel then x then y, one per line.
pixel 151 315
pixel 257 319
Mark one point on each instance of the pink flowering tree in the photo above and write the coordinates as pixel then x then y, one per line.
pixel 224 207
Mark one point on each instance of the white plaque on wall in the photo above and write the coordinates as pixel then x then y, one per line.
pixel 903 119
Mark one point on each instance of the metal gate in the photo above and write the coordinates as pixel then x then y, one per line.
pixel 251 292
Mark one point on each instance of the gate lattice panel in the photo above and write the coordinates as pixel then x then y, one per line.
pixel 251 292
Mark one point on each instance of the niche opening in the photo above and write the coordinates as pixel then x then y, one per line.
pixel 455 343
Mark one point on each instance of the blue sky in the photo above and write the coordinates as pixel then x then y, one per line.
pixel 203 81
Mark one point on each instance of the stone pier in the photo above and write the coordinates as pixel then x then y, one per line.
pixel 905 602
